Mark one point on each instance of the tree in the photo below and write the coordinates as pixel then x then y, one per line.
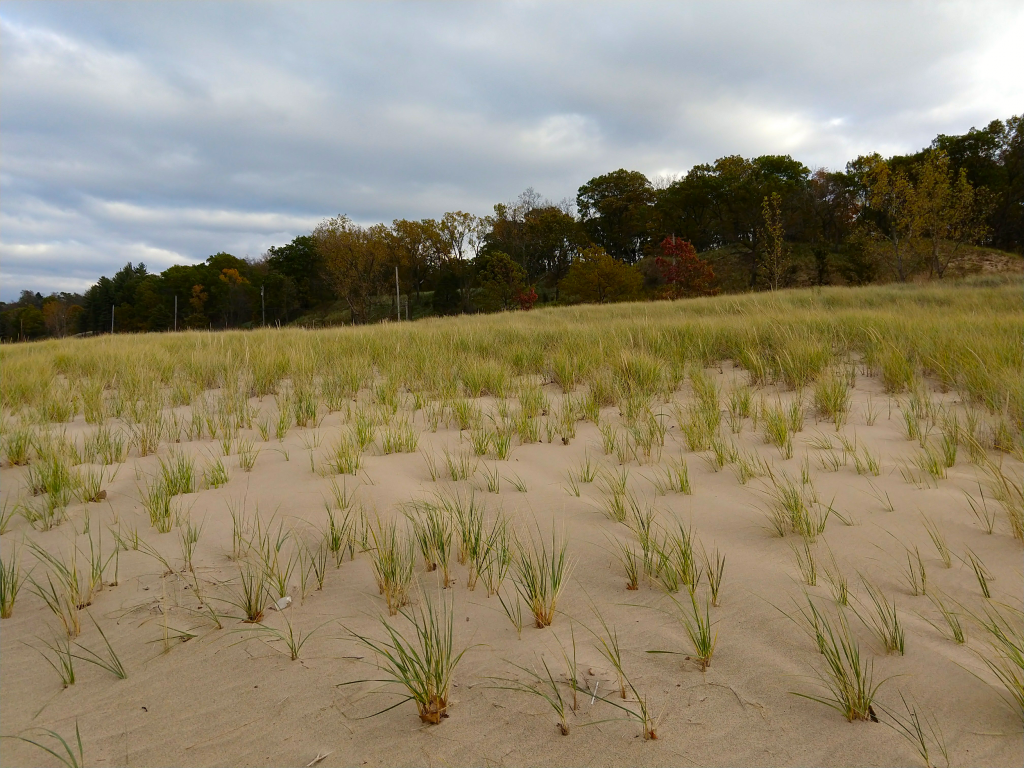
pixel 501 280
pixel 948 214
pixel 234 282
pixel 299 261
pixel 526 298
pixel 721 204
pixel 553 238
pixel 833 210
pixel 776 251
pixel 891 215
pixel 689 208
pixel 60 315
pixel 357 261
pixel 684 272
pixel 508 231
pixel 25 322
pixel 616 210
pixel 448 299
pixel 197 318
pixel 418 250
pixel 109 292
pixel 281 296
pixel 457 231
pixel 596 277
pixel 993 158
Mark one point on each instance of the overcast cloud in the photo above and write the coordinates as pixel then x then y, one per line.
pixel 164 133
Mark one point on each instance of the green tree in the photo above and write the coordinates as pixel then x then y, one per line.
pixel 553 239
pixel 689 208
pixel 833 208
pixel 28 322
pixel 596 277
pixel 235 283
pixel 617 210
pixel 501 282
pixel 417 250
pixel 457 232
pixel 447 298
pixel 300 262
pixel 108 292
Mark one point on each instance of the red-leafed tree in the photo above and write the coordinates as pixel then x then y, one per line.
pixel 526 298
pixel 684 272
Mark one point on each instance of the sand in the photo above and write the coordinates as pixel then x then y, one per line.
pixel 226 698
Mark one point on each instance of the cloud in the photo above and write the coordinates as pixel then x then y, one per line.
pixel 150 132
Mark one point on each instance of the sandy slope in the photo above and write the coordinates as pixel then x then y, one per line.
pixel 220 699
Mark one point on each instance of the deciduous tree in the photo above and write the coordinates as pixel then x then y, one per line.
pixel 776 250
pixel 357 261
pixel 501 280
pixel 616 210
pixel 948 213
pixel 596 277
pixel 891 201
pixel 684 272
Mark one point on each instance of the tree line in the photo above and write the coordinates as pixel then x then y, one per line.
pixel 737 224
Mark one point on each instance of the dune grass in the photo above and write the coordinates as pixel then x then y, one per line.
pixel 434 532
pixel 1004 655
pixel 543 686
pixel 882 619
pixel 11 580
pixel 291 638
pixel 541 573
pixel 609 646
pixel 63 661
pixel 848 679
pixel 70 755
pixel 254 591
pixel 699 628
pixel 393 561
pixel 799 339
pixel 421 663
pixel 918 728
pixel 108 661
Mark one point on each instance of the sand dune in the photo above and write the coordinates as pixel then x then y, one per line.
pixel 199 695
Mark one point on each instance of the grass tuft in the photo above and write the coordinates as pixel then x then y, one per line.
pixel 847 678
pixel 392 556
pixel 423 663
pixel 883 620
pixel 541 573
pixel 11 580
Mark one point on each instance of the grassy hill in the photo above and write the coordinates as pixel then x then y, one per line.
pixel 965 334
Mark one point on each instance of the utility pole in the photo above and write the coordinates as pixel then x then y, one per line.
pixel 263 301
pixel 111 318
pixel 398 296
pixel 175 312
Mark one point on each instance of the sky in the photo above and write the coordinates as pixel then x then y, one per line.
pixel 166 132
